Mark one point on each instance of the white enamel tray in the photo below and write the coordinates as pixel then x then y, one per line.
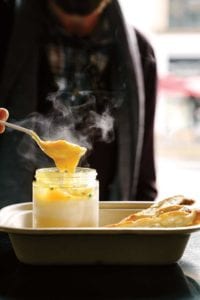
pixel 93 245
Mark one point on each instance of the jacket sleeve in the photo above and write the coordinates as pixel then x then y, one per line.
pixel 147 177
pixel 6 22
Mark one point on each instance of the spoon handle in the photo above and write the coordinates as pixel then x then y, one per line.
pixel 17 127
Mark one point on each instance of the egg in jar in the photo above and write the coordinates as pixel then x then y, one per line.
pixel 62 199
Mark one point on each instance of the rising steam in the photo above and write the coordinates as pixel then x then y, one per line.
pixel 77 124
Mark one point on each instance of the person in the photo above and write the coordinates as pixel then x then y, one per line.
pixel 80 65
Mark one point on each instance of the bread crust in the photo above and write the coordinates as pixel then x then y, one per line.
pixel 176 211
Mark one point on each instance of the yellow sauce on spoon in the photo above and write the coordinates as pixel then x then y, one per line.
pixel 65 155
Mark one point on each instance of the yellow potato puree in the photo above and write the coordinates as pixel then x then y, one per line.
pixel 65 155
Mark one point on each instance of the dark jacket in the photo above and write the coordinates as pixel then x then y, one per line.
pixel 26 80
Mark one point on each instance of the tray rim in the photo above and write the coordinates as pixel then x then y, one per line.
pixel 27 207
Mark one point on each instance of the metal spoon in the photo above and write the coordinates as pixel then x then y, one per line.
pixel 23 129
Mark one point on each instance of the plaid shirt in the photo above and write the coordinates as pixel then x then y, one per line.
pixel 82 66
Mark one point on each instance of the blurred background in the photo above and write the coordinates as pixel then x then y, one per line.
pixel 173 28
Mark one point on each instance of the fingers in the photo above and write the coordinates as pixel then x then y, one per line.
pixel 4 114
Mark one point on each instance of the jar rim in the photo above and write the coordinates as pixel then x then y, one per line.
pixel 55 172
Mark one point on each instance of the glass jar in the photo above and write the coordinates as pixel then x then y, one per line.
pixel 61 199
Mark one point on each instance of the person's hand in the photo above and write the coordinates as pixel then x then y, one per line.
pixel 4 114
